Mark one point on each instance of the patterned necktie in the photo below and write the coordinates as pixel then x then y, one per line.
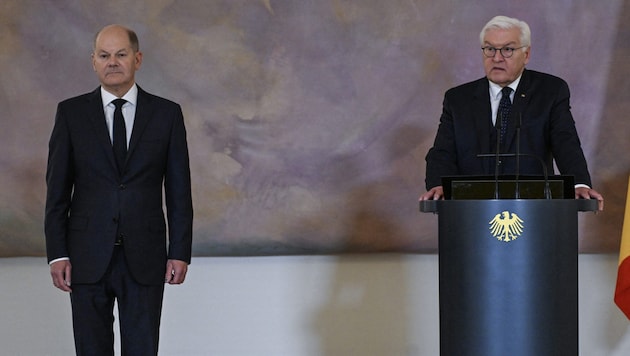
pixel 120 134
pixel 504 110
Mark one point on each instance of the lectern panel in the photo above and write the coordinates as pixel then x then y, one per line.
pixel 508 277
pixel 508 187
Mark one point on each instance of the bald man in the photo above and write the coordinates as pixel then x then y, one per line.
pixel 115 154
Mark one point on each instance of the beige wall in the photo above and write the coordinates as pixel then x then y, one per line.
pixel 368 305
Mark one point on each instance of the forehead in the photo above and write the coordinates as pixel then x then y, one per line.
pixel 499 36
pixel 112 40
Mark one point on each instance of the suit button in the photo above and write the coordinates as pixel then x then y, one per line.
pixel 122 187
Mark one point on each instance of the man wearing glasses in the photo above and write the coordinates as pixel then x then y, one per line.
pixel 477 116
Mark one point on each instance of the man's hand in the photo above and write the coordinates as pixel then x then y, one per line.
pixel 175 272
pixel 587 193
pixel 61 276
pixel 435 193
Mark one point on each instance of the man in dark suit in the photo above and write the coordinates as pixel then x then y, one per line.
pixel 538 102
pixel 110 163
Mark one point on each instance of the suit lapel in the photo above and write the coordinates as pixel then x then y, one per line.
pixel 142 118
pixel 521 98
pixel 481 112
pixel 97 117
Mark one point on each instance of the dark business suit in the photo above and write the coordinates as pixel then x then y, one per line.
pixel 547 131
pixel 90 203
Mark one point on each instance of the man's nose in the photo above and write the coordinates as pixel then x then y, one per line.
pixel 498 57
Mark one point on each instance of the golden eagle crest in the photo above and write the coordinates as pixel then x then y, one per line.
pixel 506 226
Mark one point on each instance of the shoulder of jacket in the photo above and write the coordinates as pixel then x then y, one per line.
pixel 154 99
pixel 469 87
pixel 536 75
pixel 83 98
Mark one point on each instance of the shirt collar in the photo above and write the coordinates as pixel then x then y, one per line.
pixel 131 96
pixel 495 89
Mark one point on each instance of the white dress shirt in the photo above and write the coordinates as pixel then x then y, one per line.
pixel 128 110
pixel 495 96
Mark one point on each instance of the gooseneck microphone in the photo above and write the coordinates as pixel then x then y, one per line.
pixel 517 155
pixel 517 189
pixel 497 155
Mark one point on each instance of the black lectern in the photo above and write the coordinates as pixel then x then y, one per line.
pixel 508 275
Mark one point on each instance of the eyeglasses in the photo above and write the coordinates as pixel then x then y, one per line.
pixel 506 52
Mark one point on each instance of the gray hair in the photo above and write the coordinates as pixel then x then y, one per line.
pixel 506 23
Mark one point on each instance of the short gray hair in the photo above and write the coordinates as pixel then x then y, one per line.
pixel 506 23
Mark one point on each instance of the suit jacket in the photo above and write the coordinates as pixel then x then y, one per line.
pixel 89 202
pixel 547 131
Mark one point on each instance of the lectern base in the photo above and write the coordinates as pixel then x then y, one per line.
pixel 508 287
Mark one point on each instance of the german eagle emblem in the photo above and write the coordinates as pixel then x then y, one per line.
pixel 506 226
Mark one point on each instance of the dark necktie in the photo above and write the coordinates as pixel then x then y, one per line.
pixel 120 134
pixel 504 110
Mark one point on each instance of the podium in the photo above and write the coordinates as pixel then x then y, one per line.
pixel 508 275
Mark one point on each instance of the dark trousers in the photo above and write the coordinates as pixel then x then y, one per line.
pixel 139 310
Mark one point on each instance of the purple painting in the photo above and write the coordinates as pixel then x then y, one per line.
pixel 308 121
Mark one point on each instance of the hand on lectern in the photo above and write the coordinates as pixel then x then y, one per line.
pixel 435 193
pixel 588 193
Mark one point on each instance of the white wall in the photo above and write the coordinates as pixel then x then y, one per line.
pixel 306 305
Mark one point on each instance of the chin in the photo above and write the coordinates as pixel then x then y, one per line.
pixel 499 79
pixel 113 84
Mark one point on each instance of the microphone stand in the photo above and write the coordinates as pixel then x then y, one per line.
pixel 547 189
pixel 517 192
pixel 497 155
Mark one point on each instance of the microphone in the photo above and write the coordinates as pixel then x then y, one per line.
pixel 517 155
pixel 497 155
pixel 543 166
pixel 517 189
